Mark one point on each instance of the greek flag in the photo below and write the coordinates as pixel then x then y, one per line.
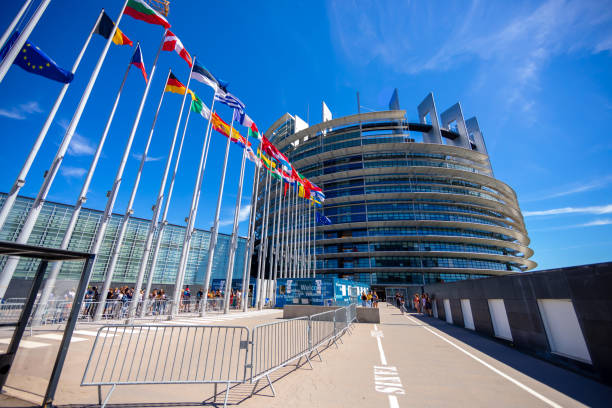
pixel 229 100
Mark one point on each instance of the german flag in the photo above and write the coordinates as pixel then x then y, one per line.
pixel 105 27
pixel 175 86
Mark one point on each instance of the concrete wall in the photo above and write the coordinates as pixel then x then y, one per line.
pixel 587 288
pixel 364 314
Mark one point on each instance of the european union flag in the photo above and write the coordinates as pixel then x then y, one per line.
pixel 33 60
pixel 321 219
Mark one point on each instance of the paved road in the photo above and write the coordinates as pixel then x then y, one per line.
pixel 406 361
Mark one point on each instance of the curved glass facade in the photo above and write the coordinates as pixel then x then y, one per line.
pixel 404 209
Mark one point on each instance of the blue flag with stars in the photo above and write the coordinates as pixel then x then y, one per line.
pixel 33 60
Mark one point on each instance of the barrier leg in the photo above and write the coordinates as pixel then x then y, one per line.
pixel 215 395
pixel 309 363
pixel 226 395
pixel 271 386
pixel 108 396
pixel 319 355
pixel 254 388
pixel 100 395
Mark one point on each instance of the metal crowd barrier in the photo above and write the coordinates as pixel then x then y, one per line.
pixel 322 328
pixel 277 344
pixel 10 312
pixel 155 354
pixel 140 354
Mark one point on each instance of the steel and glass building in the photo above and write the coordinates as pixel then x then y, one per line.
pixel 411 202
pixel 53 223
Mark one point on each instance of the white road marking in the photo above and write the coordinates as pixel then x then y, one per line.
pixel 26 343
pixel 92 333
pixel 58 337
pixel 489 366
pixel 219 318
pixel 383 359
pixel 386 379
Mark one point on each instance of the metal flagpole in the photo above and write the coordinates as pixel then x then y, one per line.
pixel 314 245
pixel 262 238
pixel 309 221
pixel 215 229
pixel 267 251
pixel 164 221
pixel 302 237
pixel 296 193
pixel 20 181
pixel 270 244
pixel 8 60
pixel 193 211
pixel 246 274
pixel 301 231
pixel 288 217
pixel 265 264
pixel 55 269
pixel 277 264
pixel 298 269
pixel 13 24
pixel 234 239
pixel 290 209
pixel 157 207
pixel 310 247
pixel 28 226
pixel 110 270
pixel 286 233
pixel 306 231
pixel 112 194
pixel 281 233
pixel 273 245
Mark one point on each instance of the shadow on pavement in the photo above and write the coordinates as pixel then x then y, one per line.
pixel 580 388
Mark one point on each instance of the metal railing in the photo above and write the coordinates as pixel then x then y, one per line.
pixel 277 344
pixel 159 354
pixel 186 354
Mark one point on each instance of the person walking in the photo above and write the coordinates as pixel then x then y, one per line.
pixel 186 300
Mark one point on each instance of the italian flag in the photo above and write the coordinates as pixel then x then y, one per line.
pixel 140 10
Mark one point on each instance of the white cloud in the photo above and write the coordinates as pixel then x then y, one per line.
pixel 508 44
pixel 20 112
pixel 138 156
pixel 597 210
pixel 574 188
pixel 79 145
pixel 73 172
pixel 596 223
pixel 243 215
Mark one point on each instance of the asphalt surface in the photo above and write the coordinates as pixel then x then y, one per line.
pixel 407 360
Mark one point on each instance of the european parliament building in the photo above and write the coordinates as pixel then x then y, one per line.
pixel 410 202
pixel 53 222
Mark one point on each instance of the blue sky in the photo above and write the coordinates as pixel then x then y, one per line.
pixel 536 74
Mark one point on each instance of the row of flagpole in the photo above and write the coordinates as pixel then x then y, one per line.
pixel 284 239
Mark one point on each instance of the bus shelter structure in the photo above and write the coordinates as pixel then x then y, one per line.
pixel 45 255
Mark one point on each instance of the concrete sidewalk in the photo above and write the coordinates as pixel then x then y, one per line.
pixel 407 360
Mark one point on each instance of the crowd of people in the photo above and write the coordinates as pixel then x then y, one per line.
pixel 369 299
pixel 214 298
pixel 420 302
pixel 118 300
